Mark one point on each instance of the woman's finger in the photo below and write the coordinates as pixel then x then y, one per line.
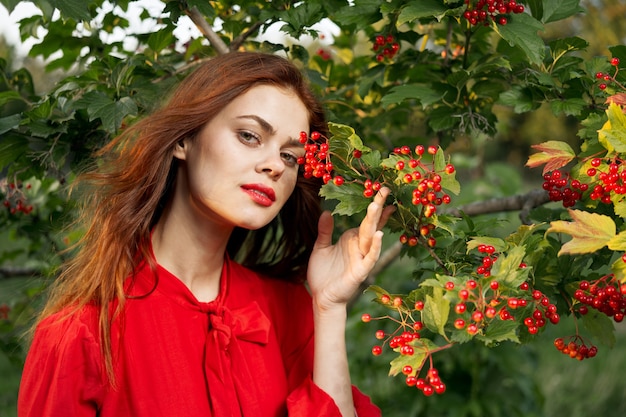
pixel 325 230
pixel 370 223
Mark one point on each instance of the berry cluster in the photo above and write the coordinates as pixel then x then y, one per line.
pixel 575 348
pixel 482 11
pixel 607 295
pixel 476 307
pixel 487 261
pixel 427 194
pixel 15 200
pixel 386 47
pixel 609 178
pixel 406 341
pixel 561 187
pixel 316 159
pixel 605 78
pixel 431 384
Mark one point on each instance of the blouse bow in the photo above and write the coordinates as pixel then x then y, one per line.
pixel 227 370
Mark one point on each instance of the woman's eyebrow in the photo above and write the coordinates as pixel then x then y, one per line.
pixel 265 125
pixel 269 129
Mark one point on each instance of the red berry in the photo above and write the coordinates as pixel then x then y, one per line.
pixel 615 62
pixel 377 350
pixel 365 318
pixel 315 135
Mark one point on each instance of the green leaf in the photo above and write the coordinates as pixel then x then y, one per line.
pixel 9 122
pixel 519 99
pixel 422 9
pixel 10 95
pixel 422 349
pixel 499 331
pixel 111 113
pixel 499 244
pixel 11 149
pixel 554 10
pixel 161 39
pixel 448 181
pixel 361 13
pixel 522 31
pixel 442 118
pixel 423 93
pixel 350 197
pixel 569 107
pixel 73 9
pixel 436 311
pixel 507 269
pixel 600 326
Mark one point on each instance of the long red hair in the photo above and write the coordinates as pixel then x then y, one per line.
pixel 126 192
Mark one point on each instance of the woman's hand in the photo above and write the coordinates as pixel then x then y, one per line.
pixel 336 271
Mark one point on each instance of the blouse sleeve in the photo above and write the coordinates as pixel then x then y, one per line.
pixel 62 376
pixel 306 398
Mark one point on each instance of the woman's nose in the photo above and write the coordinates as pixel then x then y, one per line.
pixel 272 164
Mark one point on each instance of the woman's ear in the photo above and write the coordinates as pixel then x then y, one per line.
pixel 180 149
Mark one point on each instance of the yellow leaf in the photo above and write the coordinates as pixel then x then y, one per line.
pixel 589 231
pixel 619 270
pixel 618 242
pixel 613 134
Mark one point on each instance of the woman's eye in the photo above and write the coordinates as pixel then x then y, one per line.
pixel 249 137
pixel 289 158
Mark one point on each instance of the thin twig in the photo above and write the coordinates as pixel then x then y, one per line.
pixel 239 40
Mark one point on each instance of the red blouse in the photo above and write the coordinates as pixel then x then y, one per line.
pixel 247 353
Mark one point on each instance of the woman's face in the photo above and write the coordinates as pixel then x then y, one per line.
pixel 241 167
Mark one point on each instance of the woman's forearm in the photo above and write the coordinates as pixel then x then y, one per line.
pixel 330 368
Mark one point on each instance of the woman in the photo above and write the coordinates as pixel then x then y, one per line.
pixel 154 316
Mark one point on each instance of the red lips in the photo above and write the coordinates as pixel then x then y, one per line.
pixel 260 193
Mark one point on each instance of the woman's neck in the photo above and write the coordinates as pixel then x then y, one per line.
pixel 193 253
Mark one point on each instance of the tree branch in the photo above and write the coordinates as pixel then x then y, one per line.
pixel 523 202
pixel 238 41
pixel 208 32
pixel 18 271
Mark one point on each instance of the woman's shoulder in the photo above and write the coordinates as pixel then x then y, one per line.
pixel 69 325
